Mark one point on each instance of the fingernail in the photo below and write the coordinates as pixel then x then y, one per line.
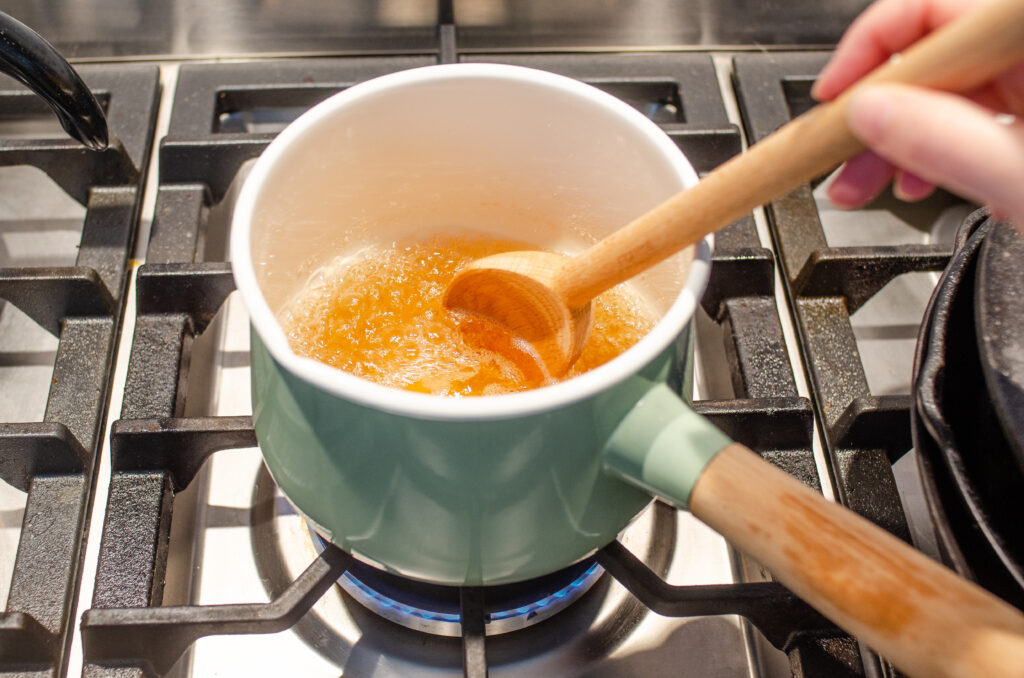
pixel 842 195
pixel 868 113
pixel 824 75
pixel 816 89
pixel 911 188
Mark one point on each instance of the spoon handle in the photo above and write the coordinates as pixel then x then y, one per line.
pixel 916 613
pixel 956 58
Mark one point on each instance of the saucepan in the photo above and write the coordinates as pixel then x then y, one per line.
pixel 485 490
pixel 497 489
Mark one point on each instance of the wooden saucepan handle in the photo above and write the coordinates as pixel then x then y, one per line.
pixel 921 616
pixel 957 58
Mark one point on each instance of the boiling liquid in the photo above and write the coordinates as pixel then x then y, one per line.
pixel 379 315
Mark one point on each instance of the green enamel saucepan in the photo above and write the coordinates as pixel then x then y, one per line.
pixel 496 489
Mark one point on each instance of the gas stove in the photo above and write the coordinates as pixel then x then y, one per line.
pixel 140 533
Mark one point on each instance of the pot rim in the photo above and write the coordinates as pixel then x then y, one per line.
pixel 424 406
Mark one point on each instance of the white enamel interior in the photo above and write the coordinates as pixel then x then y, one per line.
pixel 516 152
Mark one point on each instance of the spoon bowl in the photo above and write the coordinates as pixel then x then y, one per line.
pixel 519 291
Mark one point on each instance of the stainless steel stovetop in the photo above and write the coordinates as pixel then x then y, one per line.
pixel 233 538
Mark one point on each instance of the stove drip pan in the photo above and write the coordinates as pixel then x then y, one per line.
pixel 434 608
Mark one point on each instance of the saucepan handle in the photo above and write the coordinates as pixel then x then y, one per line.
pixel 25 55
pixel 918 614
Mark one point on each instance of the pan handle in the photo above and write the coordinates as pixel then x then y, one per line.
pixel 918 614
pixel 25 55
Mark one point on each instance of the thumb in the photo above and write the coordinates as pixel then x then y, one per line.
pixel 946 140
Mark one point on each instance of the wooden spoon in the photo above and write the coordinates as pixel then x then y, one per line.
pixel 544 298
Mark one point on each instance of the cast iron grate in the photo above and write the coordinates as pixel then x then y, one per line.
pixel 156 451
pixel 54 461
pixel 865 433
pixel 178 294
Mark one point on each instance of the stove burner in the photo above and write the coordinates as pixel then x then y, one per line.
pixel 435 608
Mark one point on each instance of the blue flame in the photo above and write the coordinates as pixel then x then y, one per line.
pixel 525 610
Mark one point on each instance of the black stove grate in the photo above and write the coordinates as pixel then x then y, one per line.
pixel 224 115
pixel 865 433
pixel 218 122
pixel 54 461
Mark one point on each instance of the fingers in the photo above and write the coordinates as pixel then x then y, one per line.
pixel 1010 86
pixel 946 140
pixel 1005 93
pixel 865 176
pixel 860 180
pixel 933 138
pixel 883 29
pixel 911 188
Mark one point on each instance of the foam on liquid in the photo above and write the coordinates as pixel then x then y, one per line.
pixel 379 315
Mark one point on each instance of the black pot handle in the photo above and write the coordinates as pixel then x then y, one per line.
pixel 25 55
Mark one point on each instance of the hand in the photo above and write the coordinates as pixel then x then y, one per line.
pixel 920 138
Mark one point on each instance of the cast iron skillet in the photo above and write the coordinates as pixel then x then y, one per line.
pixel 29 58
pixel 969 468
pixel 998 299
